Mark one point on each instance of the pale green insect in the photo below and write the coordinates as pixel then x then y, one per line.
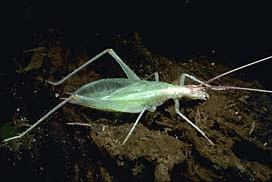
pixel 134 95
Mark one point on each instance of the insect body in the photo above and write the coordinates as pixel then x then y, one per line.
pixel 134 95
pixel 127 95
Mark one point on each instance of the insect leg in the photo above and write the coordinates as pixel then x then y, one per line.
pixel 184 117
pixel 130 74
pixel 38 122
pixel 133 127
pixel 156 74
pixel 182 79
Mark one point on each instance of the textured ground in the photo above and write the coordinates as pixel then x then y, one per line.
pixel 163 147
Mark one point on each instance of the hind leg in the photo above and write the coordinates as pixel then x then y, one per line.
pixel 130 74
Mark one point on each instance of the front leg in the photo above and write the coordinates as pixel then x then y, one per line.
pixel 182 79
pixel 190 122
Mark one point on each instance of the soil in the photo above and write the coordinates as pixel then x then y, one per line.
pixel 163 147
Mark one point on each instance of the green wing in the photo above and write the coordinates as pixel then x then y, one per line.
pixel 117 94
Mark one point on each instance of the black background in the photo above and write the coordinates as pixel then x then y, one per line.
pixel 239 32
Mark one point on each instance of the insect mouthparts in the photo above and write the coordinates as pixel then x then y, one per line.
pixel 206 96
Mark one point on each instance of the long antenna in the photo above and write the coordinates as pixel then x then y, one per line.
pixel 228 72
pixel 238 88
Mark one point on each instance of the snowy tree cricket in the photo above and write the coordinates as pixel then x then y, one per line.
pixel 133 95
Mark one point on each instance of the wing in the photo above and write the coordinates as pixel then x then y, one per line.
pixel 123 95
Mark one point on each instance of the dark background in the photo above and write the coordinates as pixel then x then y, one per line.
pixel 239 32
